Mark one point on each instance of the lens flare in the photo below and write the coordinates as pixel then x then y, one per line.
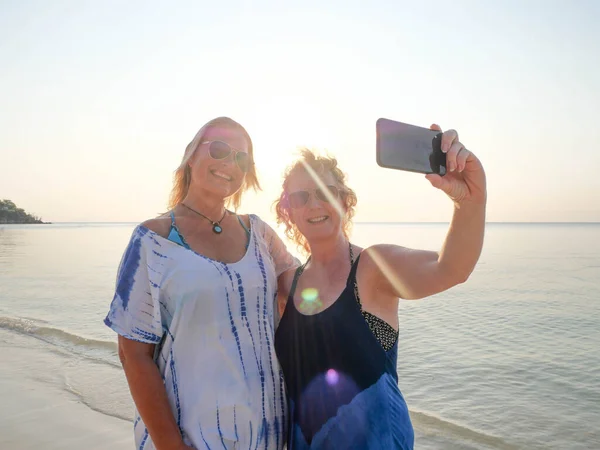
pixel 310 301
pixel 335 202
pixel 386 269
pixel 320 400
pixel 310 295
pixel 332 377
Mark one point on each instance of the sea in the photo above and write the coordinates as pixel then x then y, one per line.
pixel 510 359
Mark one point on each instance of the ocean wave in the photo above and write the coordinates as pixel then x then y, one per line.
pixel 113 406
pixel 55 336
pixel 432 425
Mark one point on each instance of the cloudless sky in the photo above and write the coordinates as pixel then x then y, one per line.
pixel 98 99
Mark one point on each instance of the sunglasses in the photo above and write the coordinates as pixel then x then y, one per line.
pixel 221 150
pixel 300 198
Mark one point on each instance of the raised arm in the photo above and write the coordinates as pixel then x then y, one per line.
pixel 413 274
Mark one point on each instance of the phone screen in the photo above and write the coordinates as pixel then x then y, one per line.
pixel 408 147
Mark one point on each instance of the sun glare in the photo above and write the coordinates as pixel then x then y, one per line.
pixel 282 126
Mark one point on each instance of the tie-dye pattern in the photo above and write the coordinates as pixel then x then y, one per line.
pixel 215 352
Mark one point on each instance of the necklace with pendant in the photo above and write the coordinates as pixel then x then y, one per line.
pixel 216 226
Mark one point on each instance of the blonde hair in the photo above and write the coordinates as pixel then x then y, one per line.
pixel 183 175
pixel 320 165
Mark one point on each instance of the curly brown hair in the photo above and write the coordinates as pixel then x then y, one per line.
pixel 310 162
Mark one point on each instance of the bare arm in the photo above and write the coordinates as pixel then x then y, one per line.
pixel 149 394
pixel 464 242
pixel 412 274
pixel 284 284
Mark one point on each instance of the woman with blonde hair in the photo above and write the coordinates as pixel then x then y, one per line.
pixel 337 340
pixel 194 308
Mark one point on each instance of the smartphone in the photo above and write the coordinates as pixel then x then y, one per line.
pixel 408 147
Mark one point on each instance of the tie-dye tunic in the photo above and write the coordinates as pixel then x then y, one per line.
pixel 213 324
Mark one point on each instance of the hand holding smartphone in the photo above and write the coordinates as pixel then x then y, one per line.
pixel 411 148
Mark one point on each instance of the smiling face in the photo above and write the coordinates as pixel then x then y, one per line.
pixel 220 177
pixel 328 217
pixel 319 218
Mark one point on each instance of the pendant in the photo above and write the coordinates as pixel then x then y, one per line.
pixel 217 228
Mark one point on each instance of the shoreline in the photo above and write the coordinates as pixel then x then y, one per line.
pixel 38 413
pixel 42 383
pixel 25 223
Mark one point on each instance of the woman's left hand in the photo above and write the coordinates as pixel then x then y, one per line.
pixel 465 179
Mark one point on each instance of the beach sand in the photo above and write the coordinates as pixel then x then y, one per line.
pixel 37 413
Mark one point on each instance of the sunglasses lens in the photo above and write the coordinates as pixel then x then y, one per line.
pixel 219 150
pixel 298 199
pixel 243 161
pixel 333 192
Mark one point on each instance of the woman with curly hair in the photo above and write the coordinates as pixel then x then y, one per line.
pixel 337 341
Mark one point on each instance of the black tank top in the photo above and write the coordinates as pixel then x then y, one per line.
pixel 328 359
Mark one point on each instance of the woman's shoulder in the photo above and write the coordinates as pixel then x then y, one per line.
pixel 266 232
pixel 379 262
pixel 160 225
pixel 245 218
pixel 259 224
pixel 252 218
pixel 254 222
pixel 372 257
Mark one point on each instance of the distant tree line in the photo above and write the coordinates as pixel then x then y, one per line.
pixel 9 213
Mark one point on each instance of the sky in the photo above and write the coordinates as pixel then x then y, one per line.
pixel 98 100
